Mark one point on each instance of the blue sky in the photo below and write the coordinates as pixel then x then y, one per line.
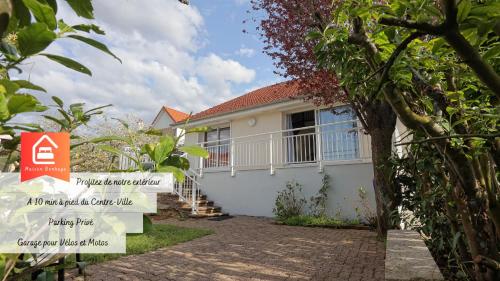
pixel 186 57
pixel 224 24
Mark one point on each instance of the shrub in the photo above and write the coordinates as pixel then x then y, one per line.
pixel 367 214
pixel 323 221
pixel 290 201
pixel 318 202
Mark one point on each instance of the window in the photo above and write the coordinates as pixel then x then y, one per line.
pixel 300 138
pixel 217 144
pixel 339 133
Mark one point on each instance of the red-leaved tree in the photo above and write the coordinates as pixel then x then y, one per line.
pixel 284 30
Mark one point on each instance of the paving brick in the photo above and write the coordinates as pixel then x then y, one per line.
pixel 250 248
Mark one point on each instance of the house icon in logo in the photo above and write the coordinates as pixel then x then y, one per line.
pixel 43 155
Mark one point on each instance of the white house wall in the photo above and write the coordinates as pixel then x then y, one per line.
pixel 253 152
pixel 163 121
pixel 254 192
pixel 264 122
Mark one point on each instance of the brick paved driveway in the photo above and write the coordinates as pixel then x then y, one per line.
pixel 249 248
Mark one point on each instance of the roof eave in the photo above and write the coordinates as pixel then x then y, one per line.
pixel 236 112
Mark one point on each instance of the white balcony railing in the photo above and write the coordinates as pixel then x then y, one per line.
pixel 339 141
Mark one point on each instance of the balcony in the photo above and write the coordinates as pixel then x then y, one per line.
pixel 339 142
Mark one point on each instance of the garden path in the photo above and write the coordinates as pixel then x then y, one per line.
pixel 251 248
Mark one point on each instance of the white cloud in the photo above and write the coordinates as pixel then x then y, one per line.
pixel 246 52
pixel 219 73
pixel 158 42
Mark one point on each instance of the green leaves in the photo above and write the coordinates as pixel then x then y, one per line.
pixel 21 17
pixel 12 103
pixel 42 12
pixel 197 130
pixel 58 101
pixel 493 52
pixel 118 152
pixel 178 173
pixel 46 276
pixel 4 110
pixel 195 150
pixel 34 38
pixel 69 63
pixel 88 28
pixel 19 103
pixel 95 44
pixel 23 84
pixel 82 8
pixel 464 8
pixel 163 149
pixel 177 161
pixel 147 225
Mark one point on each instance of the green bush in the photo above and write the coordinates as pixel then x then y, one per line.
pixel 288 203
pixel 323 221
pixel 317 204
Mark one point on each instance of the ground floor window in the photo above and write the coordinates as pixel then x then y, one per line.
pixel 217 144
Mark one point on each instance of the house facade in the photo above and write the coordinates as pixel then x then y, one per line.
pixel 260 141
pixel 165 120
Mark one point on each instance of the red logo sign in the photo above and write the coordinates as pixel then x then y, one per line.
pixel 44 154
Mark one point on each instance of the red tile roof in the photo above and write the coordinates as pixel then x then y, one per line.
pixel 176 115
pixel 268 95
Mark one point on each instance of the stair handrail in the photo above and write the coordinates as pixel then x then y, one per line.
pixel 195 187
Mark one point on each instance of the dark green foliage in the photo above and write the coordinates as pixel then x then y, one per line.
pixel 317 205
pixel 290 201
pixel 322 221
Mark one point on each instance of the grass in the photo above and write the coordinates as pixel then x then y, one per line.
pixel 161 236
pixel 318 221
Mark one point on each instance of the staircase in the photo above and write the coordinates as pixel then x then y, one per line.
pixel 202 207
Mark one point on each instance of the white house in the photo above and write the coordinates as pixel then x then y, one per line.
pixel 263 139
pixel 166 118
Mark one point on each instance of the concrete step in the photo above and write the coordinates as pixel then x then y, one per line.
pixel 199 216
pixel 200 203
pixel 205 210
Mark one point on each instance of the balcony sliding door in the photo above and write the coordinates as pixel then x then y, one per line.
pixel 300 138
pixel 339 133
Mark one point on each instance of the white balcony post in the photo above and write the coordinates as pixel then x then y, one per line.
pixel 193 197
pixel 201 164
pixel 232 158
pixel 271 153
pixel 319 157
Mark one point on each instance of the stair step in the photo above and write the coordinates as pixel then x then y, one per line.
pixel 199 203
pixel 198 198
pixel 199 216
pixel 208 210
pixel 204 209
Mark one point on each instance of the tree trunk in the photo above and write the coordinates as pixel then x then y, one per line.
pixel 381 121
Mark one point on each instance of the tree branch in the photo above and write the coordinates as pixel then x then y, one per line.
pixel 473 59
pixel 465 136
pixel 451 33
pixel 420 26
pixel 489 262
pixel 390 62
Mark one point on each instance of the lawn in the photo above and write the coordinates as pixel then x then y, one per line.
pixel 161 236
